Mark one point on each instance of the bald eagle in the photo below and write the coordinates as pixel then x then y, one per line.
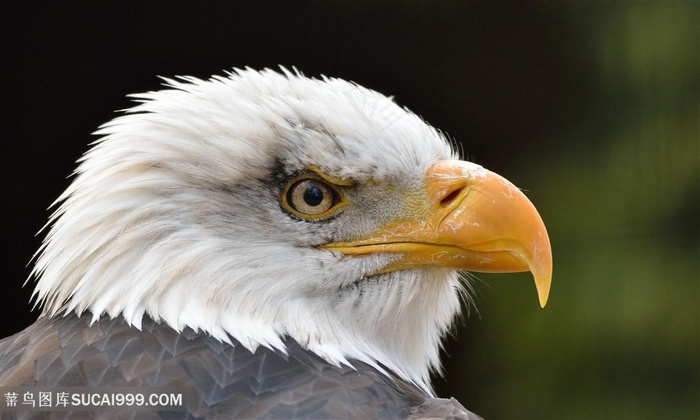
pixel 273 245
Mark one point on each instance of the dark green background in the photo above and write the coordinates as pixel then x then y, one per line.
pixel 591 107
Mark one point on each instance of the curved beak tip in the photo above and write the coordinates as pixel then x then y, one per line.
pixel 541 269
pixel 543 283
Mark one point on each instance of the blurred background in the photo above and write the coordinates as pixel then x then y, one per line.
pixel 591 107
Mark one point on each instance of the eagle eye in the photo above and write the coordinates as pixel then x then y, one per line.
pixel 311 197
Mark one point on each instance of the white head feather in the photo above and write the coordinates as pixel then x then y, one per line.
pixel 175 214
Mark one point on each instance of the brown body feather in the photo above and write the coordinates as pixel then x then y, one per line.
pixel 218 380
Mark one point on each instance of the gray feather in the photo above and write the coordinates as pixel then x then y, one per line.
pixel 218 380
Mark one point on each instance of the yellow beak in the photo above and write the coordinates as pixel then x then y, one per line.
pixel 476 220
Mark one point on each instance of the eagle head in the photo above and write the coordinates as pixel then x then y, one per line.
pixel 264 205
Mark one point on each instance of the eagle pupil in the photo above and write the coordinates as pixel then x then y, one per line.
pixel 313 196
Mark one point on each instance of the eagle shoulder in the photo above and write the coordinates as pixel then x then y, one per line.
pixel 217 379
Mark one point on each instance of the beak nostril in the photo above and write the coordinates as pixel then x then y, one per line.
pixel 452 196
